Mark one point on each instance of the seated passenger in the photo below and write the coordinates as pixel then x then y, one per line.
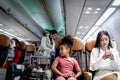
pixel 36 48
pixel 103 58
pixel 12 58
pixel 64 65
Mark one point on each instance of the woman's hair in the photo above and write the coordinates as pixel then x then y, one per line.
pixel 34 43
pixel 53 32
pixel 16 42
pixel 68 41
pixel 103 32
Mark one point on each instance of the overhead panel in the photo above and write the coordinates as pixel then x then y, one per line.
pixel 9 25
pixel 12 7
pixel 47 13
pixel 89 19
pixel 73 10
pixel 37 11
pixel 56 14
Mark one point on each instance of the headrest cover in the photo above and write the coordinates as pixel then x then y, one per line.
pixel 30 48
pixel 22 45
pixel 58 42
pixel 77 44
pixel 90 45
pixel 4 40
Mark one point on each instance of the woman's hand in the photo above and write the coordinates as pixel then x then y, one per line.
pixel 10 60
pixel 109 55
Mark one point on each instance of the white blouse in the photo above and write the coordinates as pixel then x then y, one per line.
pixel 101 66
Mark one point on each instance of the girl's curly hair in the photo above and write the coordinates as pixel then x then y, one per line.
pixel 67 40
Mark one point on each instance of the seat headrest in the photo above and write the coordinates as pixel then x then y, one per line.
pixel 77 44
pixel 4 40
pixel 22 45
pixel 58 42
pixel 90 45
pixel 30 48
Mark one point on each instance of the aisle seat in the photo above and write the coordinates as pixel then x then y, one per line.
pixel 4 43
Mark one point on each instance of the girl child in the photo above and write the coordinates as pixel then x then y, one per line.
pixel 64 65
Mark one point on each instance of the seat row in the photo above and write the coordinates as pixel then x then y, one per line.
pixel 81 52
pixel 4 44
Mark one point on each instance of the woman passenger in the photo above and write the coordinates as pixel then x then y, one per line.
pixel 103 56
pixel 14 54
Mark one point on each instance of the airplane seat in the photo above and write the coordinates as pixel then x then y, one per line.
pixel 34 61
pixel 89 45
pixel 77 48
pixel 4 43
pixel 29 51
pixel 77 52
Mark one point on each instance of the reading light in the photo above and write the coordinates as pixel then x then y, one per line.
pixel 87 12
pixel 89 8
pixel 96 12
pixel 98 9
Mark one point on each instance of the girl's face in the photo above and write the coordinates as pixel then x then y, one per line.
pixel 104 41
pixel 12 44
pixel 64 50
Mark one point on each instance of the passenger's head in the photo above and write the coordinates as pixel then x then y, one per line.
pixel 35 44
pixel 53 34
pixel 14 43
pixel 65 46
pixel 103 40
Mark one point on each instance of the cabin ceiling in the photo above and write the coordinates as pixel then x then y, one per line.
pixel 32 18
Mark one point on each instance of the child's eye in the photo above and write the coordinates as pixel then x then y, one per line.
pixel 61 48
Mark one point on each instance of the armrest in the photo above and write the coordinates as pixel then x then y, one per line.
pixel 48 74
pixel 48 71
pixel 2 73
pixel 87 75
pixel 2 68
